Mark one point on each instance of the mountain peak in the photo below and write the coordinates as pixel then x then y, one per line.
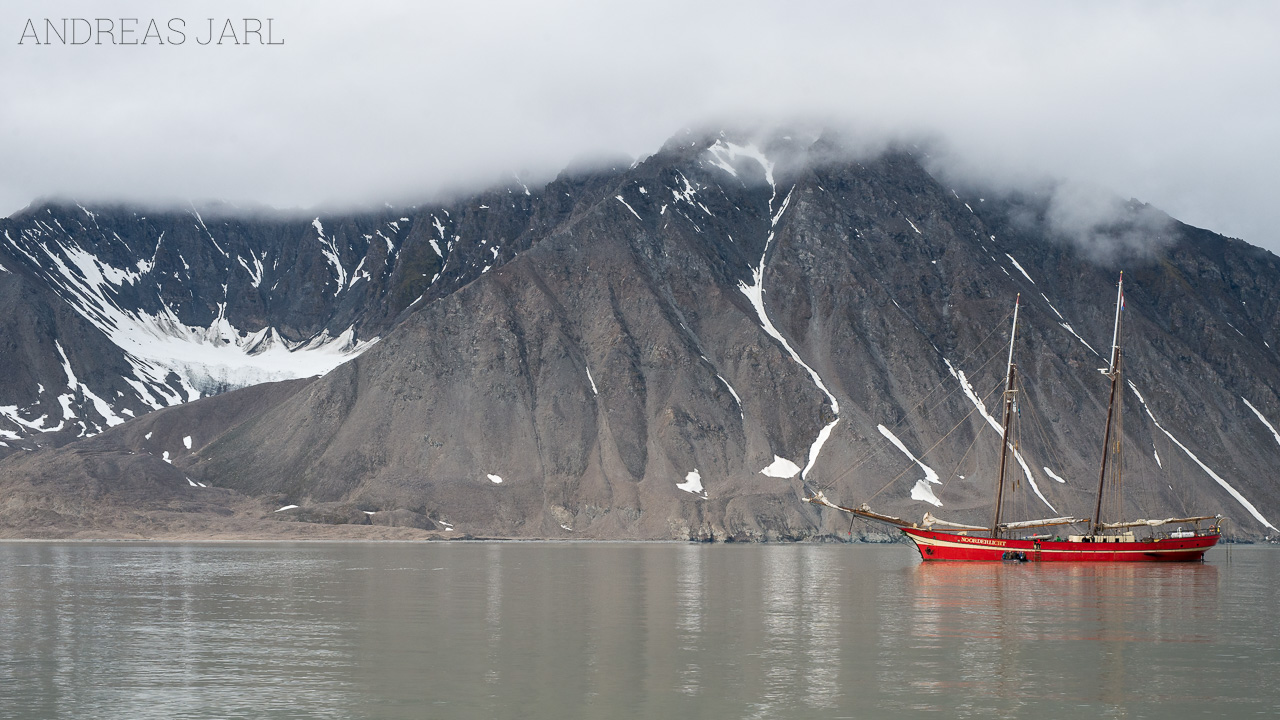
pixel 735 303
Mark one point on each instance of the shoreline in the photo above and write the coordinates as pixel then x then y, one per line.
pixel 250 539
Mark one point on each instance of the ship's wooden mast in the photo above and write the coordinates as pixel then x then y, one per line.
pixel 1113 372
pixel 1008 417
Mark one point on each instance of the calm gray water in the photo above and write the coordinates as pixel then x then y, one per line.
pixel 539 630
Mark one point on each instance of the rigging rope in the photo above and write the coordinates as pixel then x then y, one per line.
pixel 879 447
pixel 1049 445
pixel 940 440
pixel 955 471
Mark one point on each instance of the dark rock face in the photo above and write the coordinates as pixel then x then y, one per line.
pixel 109 313
pixel 621 354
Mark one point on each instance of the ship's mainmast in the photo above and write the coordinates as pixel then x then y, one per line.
pixel 1113 372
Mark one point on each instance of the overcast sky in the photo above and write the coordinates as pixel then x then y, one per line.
pixel 1175 104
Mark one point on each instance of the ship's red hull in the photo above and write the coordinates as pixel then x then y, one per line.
pixel 935 545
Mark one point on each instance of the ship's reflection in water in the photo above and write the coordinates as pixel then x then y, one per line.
pixel 542 630
pixel 1111 636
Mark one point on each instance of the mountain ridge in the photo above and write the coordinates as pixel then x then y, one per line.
pixel 714 308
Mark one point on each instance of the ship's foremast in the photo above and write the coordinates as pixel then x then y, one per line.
pixel 1010 375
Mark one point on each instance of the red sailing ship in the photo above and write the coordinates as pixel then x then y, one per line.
pixel 1097 541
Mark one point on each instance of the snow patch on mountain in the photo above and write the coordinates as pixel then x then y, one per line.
pixel 330 251
pixel 724 155
pixel 628 205
pixel 693 484
pixel 1021 270
pixel 1051 307
pixel 204 227
pixel 73 384
pixel 1073 332
pixel 1264 420
pixel 205 359
pixel 755 294
pixel 780 468
pixel 10 412
pixel 921 490
pixel 1244 502
pixel 741 413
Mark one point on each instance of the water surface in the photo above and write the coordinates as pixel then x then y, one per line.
pixel 555 630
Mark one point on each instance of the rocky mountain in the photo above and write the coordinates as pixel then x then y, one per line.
pixel 113 312
pixel 681 348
